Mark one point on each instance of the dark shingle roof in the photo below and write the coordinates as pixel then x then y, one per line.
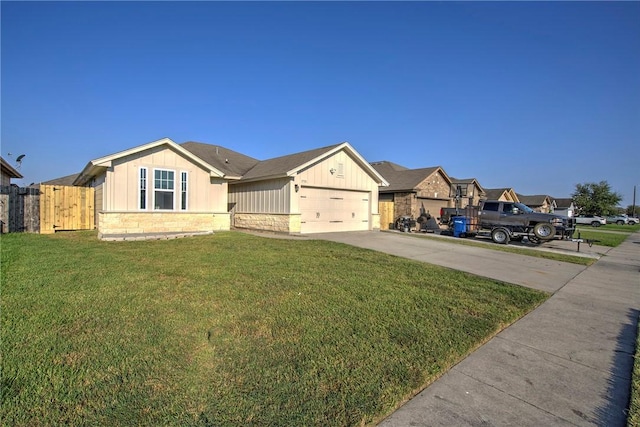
pixel 64 180
pixel 495 193
pixel 227 161
pixel 563 203
pixel 535 200
pixel 401 178
pixel 279 166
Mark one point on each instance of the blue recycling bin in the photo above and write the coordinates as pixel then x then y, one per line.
pixel 459 226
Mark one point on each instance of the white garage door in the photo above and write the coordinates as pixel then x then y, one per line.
pixel 325 210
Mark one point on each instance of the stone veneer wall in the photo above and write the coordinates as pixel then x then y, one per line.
pixel 281 223
pixel 403 204
pixel 110 223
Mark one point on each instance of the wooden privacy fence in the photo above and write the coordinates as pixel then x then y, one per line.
pixel 47 209
pixel 386 214
pixel 66 208
pixel 19 209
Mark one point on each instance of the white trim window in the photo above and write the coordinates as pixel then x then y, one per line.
pixel 163 189
pixel 184 176
pixel 142 189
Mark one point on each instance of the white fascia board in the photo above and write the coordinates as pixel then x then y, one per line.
pixel 96 165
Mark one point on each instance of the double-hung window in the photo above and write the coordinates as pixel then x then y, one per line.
pixel 163 189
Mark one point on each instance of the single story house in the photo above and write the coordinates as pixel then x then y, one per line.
pixel 504 194
pixel 414 191
pixel 564 206
pixel 539 203
pixel 165 187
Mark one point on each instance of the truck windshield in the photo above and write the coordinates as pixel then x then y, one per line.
pixel 523 208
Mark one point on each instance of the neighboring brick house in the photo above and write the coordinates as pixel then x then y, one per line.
pixel 504 194
pixel 471 192
pixel 539 203
pixel 414 191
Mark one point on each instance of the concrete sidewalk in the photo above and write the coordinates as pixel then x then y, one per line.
pixel 568 362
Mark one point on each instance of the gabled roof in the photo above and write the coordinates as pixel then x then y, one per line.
pixel 281 167
pixel 467 181
pixel 403 179
pixel 7 169
pixel 63 180
pixel 231 163
pixel 535 200
pixel 497 193
pixel 563 203
pixel 97 166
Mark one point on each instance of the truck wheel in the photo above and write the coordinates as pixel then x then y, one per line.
pixel 620 222
pixel 500 235
pixel 596 224
pixel 544 230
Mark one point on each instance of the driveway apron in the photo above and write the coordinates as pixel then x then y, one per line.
pixel 568 362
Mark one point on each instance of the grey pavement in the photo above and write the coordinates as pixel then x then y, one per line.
pixel 568 362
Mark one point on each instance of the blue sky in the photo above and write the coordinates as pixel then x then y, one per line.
pixel 538 96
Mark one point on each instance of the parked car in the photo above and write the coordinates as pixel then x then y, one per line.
pixel 617 219
pixel 592 220
pixel 631 220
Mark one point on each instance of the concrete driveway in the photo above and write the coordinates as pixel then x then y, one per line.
pixel 532 272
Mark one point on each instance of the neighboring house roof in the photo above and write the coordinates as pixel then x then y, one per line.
pixel 9 170
pixel 535 200
pixel 498 193
pixel 564 203
pixel 285 166
pixel 468 181
pixel 64 180
pixel 228 161
pixel 97 166
pixel 403 179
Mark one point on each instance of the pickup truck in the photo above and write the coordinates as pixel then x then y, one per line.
pixel 513 221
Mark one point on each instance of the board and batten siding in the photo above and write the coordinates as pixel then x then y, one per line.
pixel 347 174
pixel 121 189
pixel 271 196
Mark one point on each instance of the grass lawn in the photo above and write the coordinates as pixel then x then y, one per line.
pixel 229 329
pixel 602 234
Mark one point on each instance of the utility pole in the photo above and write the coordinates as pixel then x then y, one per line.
pixel 633 207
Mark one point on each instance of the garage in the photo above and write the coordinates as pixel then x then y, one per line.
pixel 326 210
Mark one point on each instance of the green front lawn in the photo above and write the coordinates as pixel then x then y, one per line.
pixel 601 236
pixel 230 329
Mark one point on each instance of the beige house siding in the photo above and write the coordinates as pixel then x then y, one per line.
pixel 272 197
pixel 121 193
pixel 274 205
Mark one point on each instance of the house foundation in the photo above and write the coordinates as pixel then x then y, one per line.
pixel 140 223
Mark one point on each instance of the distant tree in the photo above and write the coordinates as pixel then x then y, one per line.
pixel 633 210
pixel 596 198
